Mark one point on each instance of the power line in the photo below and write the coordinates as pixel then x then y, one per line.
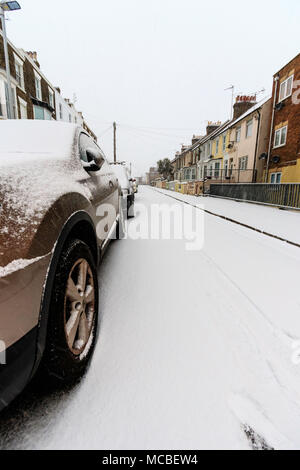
pixel 149 132
pixel 106 130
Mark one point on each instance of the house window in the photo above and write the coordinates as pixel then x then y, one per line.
pixel 226 168
pixel 208 147
pixel 238 134
pixel 249 127
pixel 224 143
pixel 13 94
pixel 286 88
pixel 243 163
pixel 217 170
pixel 217 146
pixel 51 98
pixel 275 178
pixel 19 73
pixel 280 137
pixel 23 109
pixel 38 87
pixel 60 112
pixel 41 113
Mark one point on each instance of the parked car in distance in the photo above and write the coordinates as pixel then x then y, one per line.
pixel 54 183
pixel 126 186
pixel 134 185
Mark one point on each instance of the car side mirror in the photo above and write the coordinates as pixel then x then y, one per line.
pixel 95 159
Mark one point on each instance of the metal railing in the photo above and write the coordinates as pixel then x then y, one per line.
pixel 280 195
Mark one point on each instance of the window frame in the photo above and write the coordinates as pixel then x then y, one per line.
pixel 217 171
pixel 51 98
pixel 238 134
pixel 217 145
pixel 38 89
pixel 242 161
pixel 275 175
pixel 279 131
pixel 224 143
pixel 22 105
pixel 250 121
pixel 285 82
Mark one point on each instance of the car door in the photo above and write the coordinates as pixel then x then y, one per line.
pixel 103 186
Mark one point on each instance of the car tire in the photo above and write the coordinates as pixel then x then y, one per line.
pixel 73 316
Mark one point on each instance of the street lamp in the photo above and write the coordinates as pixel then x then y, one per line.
pixel 8 6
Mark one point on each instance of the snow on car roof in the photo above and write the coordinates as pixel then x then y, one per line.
pixel 21 139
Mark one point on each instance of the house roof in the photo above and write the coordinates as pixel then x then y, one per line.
pixel 250 111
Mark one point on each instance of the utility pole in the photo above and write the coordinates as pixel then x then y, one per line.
pixel 10 107
pixel 115 142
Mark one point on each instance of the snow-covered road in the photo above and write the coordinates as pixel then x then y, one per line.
pixel 193 346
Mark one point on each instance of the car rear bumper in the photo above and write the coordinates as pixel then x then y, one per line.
pixel 16 364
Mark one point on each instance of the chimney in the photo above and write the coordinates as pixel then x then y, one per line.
pixel 242 104
pixel 212 126
pixel 33 56
pixel 196 138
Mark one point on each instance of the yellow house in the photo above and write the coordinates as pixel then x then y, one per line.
pixel 213 164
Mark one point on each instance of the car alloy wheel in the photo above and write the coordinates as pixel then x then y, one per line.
pixel 73 315
pixel 79 308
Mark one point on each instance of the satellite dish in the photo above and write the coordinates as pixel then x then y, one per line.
pixel 275 159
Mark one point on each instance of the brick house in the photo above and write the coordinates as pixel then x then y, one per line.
pixel 34 96
pixel 282 161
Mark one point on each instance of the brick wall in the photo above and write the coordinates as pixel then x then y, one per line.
pixel 289 113
pixel 29 80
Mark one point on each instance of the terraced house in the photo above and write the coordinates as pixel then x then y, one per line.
pixel 282 162
pixel 248 139
pixel 34 97
pixel 212 151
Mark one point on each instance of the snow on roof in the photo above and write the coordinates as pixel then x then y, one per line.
pixel 229 123
pixel 21 140
pixel 250 111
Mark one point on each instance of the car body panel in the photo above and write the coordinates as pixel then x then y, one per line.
pixel 43 197
pixel 20 300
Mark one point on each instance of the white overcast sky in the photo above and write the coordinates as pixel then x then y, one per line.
pixel 158 68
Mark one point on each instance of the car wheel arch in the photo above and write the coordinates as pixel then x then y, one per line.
pixel 79 225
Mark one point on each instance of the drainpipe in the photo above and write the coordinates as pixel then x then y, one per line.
pixel 271 131
pixel 256 146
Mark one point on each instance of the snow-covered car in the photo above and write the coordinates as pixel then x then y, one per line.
pixel 59 208
pixel 125 182
pixel 134 185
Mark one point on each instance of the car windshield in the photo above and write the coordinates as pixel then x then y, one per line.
pixel 27 139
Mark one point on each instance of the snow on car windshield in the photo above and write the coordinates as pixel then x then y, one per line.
pixel 27 139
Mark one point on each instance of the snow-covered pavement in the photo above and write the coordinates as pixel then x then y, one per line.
pixel 193 346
